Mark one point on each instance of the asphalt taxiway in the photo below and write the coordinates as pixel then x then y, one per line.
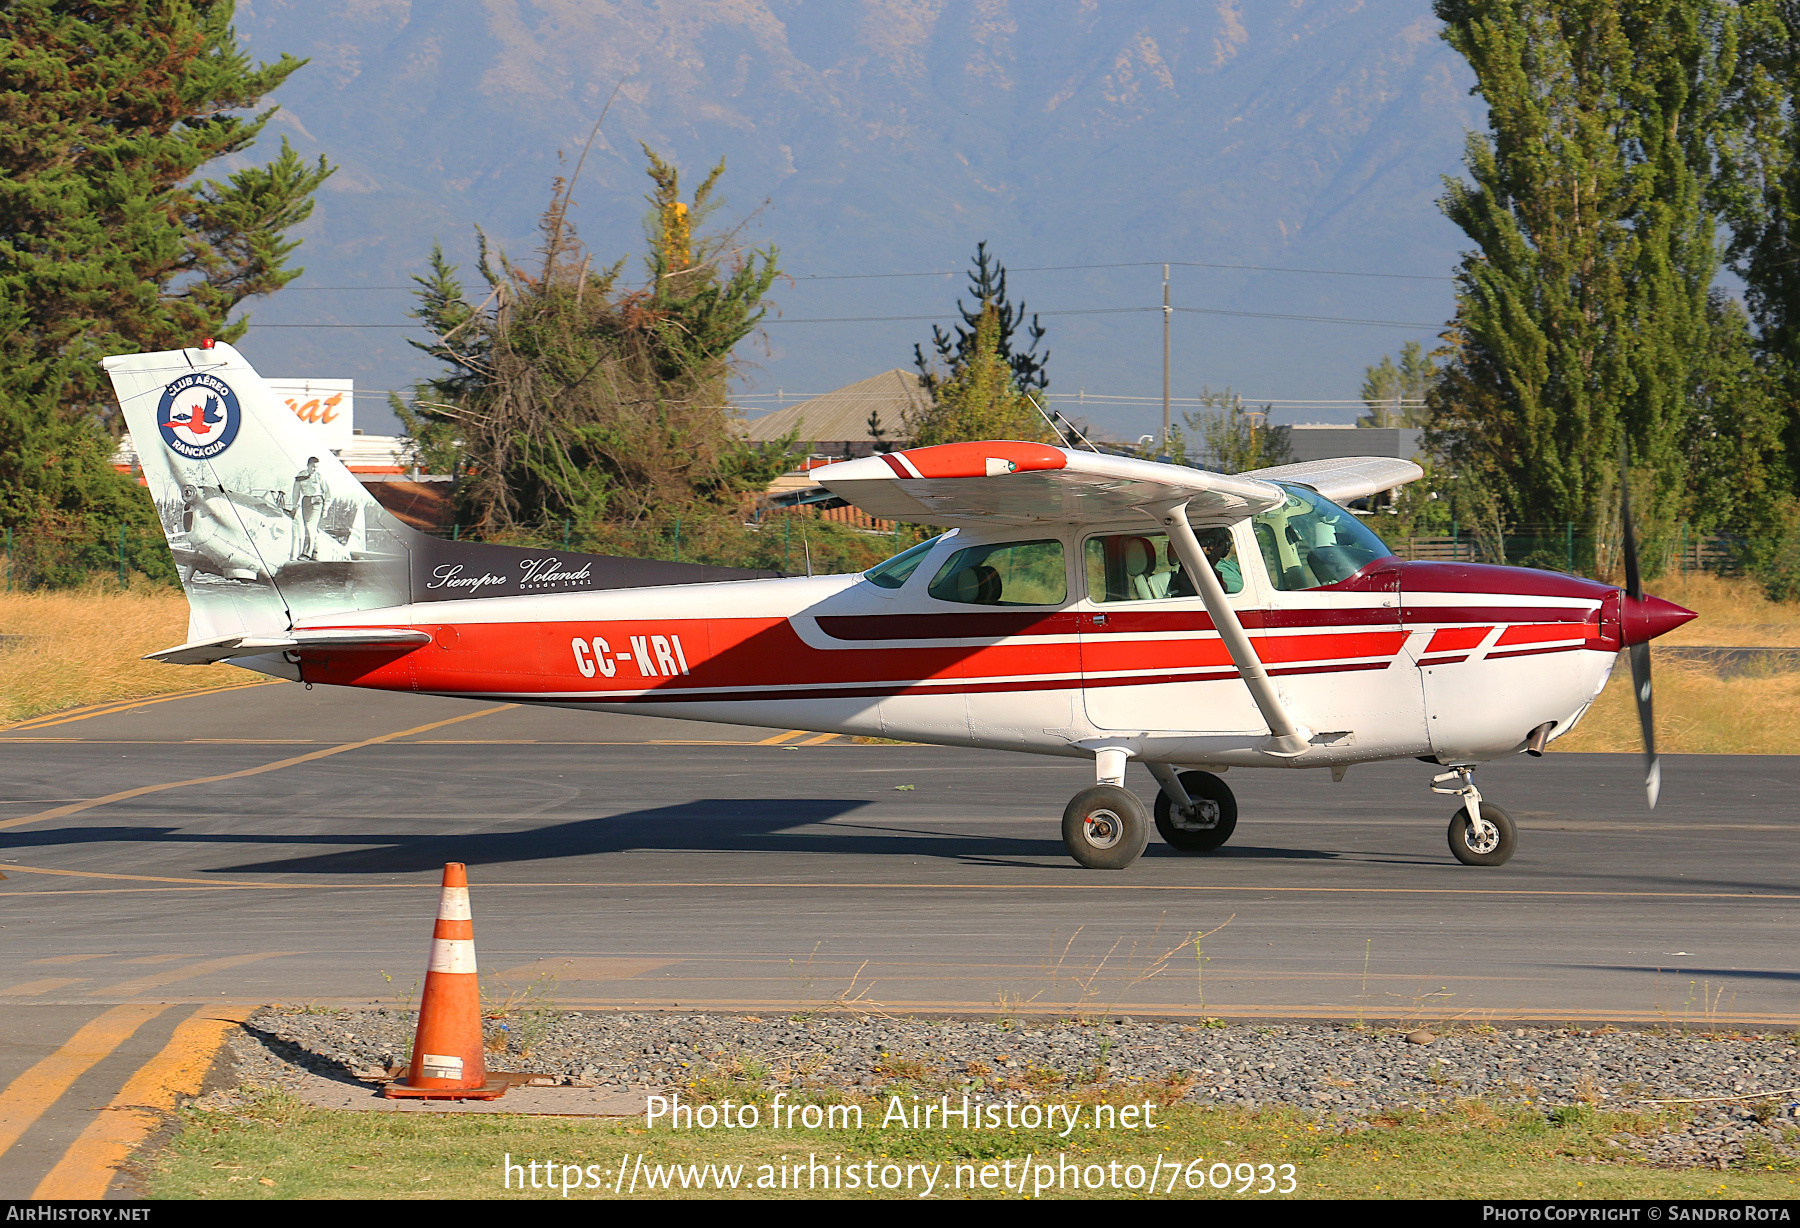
pixel 271 843
pixel 172 863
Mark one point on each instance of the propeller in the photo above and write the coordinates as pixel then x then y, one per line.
pixel 1640 651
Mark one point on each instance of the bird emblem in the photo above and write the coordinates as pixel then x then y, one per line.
pixel 201 418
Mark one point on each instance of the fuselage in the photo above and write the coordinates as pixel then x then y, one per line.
pixel 1459 662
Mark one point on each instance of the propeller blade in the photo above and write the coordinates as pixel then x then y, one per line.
pixel 1640 653
pixel 1634 582
pixel 1640 688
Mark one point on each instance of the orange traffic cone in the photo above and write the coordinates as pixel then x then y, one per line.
pixel 447 1061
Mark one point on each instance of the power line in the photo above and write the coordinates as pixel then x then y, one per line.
pixel 1076 311
pixel 1269 315
pixel 1133 264
pixel 1041 268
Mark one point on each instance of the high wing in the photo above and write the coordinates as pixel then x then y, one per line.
pixel 1343 478
pixel 1012 483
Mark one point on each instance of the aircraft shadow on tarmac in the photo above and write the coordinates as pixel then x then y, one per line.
pixel 704 825
pixel 1749 974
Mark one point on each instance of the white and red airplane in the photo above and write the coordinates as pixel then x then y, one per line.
pixel 1080 604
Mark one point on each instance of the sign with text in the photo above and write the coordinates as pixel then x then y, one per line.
pixel 327 405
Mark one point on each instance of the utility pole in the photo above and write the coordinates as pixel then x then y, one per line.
pixel 1167 312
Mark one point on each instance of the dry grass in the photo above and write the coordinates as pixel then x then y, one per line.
pixel 82 647
pixel 1697 712
pixel 1733 612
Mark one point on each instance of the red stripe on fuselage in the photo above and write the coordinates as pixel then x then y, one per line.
pixel 1450 639
pixel 766 694
pixel 1539 635
pixel 758 653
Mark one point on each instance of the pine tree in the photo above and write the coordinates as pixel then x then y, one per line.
pixel 987 282
pixel 1584 316
pixel 568 401
pixel 979 396
pixel 108 241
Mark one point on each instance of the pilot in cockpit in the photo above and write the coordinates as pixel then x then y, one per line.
pixel 1215 544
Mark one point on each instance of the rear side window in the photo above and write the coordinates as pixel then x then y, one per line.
pixel 1007 573
pixel 1143 567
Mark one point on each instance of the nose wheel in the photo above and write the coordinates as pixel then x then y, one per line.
pixel 1480 834
pixel 1490 845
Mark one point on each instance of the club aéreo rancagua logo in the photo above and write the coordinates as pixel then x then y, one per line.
pixel 198 416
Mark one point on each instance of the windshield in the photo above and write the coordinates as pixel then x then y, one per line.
pixel 894 572
pixel 1309 542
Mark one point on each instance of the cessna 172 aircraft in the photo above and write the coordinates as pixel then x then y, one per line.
pixel 1080 604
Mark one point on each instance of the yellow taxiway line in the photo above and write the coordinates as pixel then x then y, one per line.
pixel 61 812
pixel 27 1097
pixel 91 1161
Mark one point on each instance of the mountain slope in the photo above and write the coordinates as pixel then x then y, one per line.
pixel 889 136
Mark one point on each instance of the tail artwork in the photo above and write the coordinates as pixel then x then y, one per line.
pixel 266 525
pixel 269 529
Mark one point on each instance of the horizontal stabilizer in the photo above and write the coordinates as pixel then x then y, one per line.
pixel 205 652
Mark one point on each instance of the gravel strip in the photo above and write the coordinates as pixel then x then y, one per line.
pixel 1346 1073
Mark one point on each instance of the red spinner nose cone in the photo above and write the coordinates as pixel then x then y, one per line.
pixel 1642 621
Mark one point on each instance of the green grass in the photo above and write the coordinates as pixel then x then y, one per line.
pixel 277 1147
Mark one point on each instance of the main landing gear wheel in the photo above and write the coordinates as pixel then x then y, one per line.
pixel 1497 845
pixel 1105 827
pixel 1210 827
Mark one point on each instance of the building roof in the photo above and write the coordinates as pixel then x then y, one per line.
pixel 1311 441
pixel 843 416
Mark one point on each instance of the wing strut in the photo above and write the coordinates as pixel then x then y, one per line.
pixel 1286 739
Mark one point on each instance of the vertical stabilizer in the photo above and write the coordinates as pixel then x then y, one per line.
pixel 266 525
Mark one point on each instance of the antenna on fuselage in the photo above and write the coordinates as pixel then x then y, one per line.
pixel 1062 438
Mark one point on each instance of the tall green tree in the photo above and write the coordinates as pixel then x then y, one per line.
pixel 570 400
pixel 109 241
pixel 1394 394
pixel 1585 318
pixel 1758 192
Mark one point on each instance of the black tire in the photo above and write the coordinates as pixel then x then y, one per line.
pixel 1502 849
pixel 1200 786
pixel 1105 827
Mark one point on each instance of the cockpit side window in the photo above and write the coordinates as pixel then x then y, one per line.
pixel 1309 542
pixel 897 570
pixel 1143 566
pixel 1005 573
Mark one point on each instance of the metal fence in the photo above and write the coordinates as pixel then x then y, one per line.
pixel 1562 548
